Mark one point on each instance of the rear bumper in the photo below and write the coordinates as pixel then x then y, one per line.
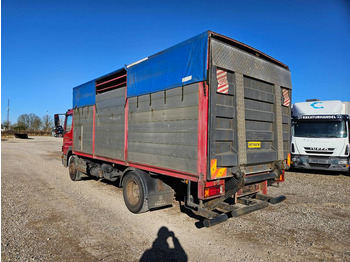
pixel 321 163
pixel 246 206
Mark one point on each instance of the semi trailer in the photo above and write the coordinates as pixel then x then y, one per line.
pixel 320 136
pixel 206 122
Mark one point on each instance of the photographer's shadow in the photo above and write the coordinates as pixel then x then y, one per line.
pixel 161 251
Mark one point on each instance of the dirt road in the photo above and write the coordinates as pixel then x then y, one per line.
pixel 47 217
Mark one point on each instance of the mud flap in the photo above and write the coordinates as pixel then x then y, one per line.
pixel 159 194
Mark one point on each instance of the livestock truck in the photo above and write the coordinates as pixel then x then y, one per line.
pixel 320 135
pixel 205 122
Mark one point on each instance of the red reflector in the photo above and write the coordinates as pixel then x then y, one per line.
pixel 289 159
pixel 212 191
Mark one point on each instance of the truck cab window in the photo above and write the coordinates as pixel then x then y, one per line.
pixel 69 123
pixel 320 129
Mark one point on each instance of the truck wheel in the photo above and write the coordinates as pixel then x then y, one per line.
pixel 134 193
pixel 73 172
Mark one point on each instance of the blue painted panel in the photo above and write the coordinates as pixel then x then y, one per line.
pixel 182 64
pixel 84 95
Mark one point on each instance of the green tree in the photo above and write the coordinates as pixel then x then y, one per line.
pixel 6 125
pixel 36 122
pixel 29 121
pixel 23 121
pixel 47 123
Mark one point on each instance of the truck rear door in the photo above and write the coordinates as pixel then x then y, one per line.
pixel 249 111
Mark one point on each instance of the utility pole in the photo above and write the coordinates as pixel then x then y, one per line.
pixel 8 114
pixel 47 121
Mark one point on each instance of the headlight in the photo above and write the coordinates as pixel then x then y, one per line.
pixel 343 162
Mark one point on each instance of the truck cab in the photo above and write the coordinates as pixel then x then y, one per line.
pixel 320 135
pixel 67 137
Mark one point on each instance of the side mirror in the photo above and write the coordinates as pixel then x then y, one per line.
pixel 57 120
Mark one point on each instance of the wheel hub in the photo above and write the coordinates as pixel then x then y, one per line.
pixel 133 192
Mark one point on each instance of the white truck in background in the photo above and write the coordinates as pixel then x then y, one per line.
pixel 320 135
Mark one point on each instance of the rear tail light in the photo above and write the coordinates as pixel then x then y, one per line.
pixel 213 191
pixel 280 178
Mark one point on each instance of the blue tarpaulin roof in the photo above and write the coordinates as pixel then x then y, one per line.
pixel 84 95
pixel 182 64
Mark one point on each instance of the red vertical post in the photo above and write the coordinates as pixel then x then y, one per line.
pixel 202 151
pixel 71 133
pixel 264 187
pixel 93 129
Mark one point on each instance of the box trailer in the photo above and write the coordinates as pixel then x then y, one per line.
pixel 320 137
pixel 206 121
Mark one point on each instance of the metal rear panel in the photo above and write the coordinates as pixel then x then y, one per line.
pixel 286 127
pixel 278 122
pixel 231 58
pixel 222 121
pixel 163 129
pixel 109 130
pixel 258 114
pixel 82 130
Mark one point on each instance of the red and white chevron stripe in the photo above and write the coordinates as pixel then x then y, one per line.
pixel 221 77
pixel 286 99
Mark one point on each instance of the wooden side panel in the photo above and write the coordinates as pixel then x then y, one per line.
pixel 83 129
pixel 109 126
pixel 163 129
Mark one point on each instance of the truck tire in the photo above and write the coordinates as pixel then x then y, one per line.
pixel 134 189
pixel 73 172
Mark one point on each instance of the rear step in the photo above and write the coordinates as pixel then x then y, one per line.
pixel 216 220
pixel 271 200
pixel 248 209
pixel 223 211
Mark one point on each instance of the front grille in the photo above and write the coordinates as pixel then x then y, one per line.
pixel 319 150
pixel 320 165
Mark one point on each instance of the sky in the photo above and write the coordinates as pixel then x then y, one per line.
pixel 50 46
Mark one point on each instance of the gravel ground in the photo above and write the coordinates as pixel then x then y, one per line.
pixel 47 217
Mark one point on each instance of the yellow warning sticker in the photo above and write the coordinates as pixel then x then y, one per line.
pixel 254 144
